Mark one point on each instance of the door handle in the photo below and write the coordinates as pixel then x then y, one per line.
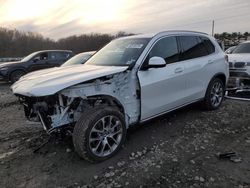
pixel 210 61
pixel 178 70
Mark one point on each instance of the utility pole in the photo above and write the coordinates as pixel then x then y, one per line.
pixel 213 28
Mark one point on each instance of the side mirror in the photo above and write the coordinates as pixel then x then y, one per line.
pixel 156 62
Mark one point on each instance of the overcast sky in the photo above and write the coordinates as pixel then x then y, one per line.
pixel 62 18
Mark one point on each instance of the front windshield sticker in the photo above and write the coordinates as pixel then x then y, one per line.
pixel 130 61
pixel 135 46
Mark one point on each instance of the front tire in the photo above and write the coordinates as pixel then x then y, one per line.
pixel 214 94
pixel 99 133
pixel 16 75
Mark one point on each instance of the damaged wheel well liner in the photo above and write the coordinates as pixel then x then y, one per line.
pixel 108 100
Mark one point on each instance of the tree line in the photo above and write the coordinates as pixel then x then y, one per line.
pixel 14 43
pixel 233 35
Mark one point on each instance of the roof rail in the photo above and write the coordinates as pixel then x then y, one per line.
pixel 182 31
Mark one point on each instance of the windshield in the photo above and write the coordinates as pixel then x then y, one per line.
pixel 242 48
pixel 27 58
pixel 120 52
pixel 78 59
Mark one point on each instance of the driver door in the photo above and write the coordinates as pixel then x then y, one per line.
pixel 162 89
pixel 40 61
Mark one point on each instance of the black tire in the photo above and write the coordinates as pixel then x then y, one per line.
pixel 208 103
pixel 16 75
pixel 83 131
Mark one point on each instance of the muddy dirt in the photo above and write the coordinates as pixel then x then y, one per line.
pixel 179 149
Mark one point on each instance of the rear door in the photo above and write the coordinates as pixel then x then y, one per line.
pixel 195 56
pixel 56 59
pixel 162 89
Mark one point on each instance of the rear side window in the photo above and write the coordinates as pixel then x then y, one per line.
pixel 167 49
pixel 192 47
pixel 59 55
pixel 208 45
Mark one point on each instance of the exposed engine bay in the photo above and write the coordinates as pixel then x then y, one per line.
pixel 65 107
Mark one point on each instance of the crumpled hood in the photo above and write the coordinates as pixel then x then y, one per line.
pixel 7 64
pixel 49 81
pixel 244 57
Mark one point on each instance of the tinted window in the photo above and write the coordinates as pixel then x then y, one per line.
pixel 192 47
pixel 242 48
pixel 208 45
pixel 167 49
pixel 42 56
pixel 59 55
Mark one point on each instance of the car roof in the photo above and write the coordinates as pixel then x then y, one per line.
pixel 169 32
pixel 69 51
pixel 88 52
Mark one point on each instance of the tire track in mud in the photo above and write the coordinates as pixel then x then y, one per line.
pixel 6 96
pixel 4 105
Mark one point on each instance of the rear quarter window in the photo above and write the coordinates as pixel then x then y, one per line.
pixel 208 45
pixel 192 47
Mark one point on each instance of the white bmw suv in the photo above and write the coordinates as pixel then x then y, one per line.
pixel 239 66
pixel 129 81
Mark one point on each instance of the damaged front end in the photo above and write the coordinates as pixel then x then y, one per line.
pixel 64 108
pixel 238 88
pixel 52 111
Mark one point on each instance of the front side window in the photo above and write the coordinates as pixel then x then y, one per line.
pixel 242 48
pixel 167 49
pixel 42 56
pixel 192 47
pixel 120 52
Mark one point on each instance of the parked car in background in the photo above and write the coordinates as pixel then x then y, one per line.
pixel 80 58
pixel 12 71
pixel 239 65
pixel 230 50
pixel 239 60
pixel 129 81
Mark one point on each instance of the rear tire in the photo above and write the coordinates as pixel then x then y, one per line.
pixel 99 133
pixel 16 75
pixel 214 94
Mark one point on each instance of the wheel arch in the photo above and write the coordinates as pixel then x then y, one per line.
pixel 16 69
pixel 111 100
pixel 221 76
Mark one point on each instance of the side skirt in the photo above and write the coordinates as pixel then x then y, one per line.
pixel 163 113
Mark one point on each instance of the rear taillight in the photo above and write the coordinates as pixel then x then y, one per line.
pixel 226 58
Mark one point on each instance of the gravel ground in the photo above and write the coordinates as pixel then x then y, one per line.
pixel 179 149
